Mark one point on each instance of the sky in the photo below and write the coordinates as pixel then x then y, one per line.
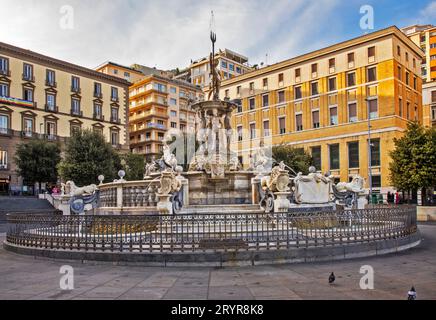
pixel 169 33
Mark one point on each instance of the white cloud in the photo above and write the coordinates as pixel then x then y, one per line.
pixel 429 11
pixel 165 34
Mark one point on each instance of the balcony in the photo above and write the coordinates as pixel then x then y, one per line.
pixel 98 95
pixel 50 83
pixel 76 90
pixel 28 77
pixel 6 73
pixel 51 108
pixel 76 113
pixel 98 117
pixel 115 99
pixel 156 126
pixel 115 120
pixel 29 134
pixel 6 132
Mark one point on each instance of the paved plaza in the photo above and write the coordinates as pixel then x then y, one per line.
pixel 24 277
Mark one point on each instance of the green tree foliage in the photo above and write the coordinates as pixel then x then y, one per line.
pixel 87 155
pixel 37 160
pixel 413 164
pixel 134 165
pixel 296 158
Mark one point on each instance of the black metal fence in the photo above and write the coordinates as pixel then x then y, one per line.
pixel 210 232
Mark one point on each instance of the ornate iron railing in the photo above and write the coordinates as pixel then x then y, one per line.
pixel 210 232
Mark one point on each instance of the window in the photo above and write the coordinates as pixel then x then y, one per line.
pixel 28 94
pixel 350 59
pixel 3 159
pixel 266 128
pixel 173 101
pixel 114 94
pixel 75 84
pixel 4 124
pixel 414 83
pixel 400 107
pixel 299 122
pixel 239 129
pixel 231 67
pixel 407 78
pixel 173 124
pixel 314 88
pixel 115 71
pixel 265 83
pixel 4 90
pixel 332 65
pixel 298 94
pixel 408 110
pixel 315 119
pixel 252 130
pixel 50 78
pixel 173 89
pixel 226 93
pixel 126 74
pixel 27 72
pixel 375 152
pixel 114 114
pixel 376 181
pixel 50 130
pixel 97 110
pixel 74 128
pixel 282 125
pixel 114 138
pixel 238 70
pixel 407 56
pixel 224 64
pixel 75 106
pixel 352 112
pixel 252 103
pixel 265 100
pixel 399 73
pixel 433 96
pixel 97 89
pixel 297 74
pixel 316 157
pixel 353 154
pixel 314 68
pixel 414 62
pixel 333 116
pixel 4 66
pixel 50 101
pixel 371 54
pixel 372 74
pixel 332 84
pixel 239 107
pixel 373 108
pixel 398 51
pixel 251 87
pixel 28 127
pixel 334 156
pixel 173 113
pixel 280 78
pixel 351 79
pixel 238 90
pixel 281 96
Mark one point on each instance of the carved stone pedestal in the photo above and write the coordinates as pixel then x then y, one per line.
pixel 282 203
pixel 164 206
pixel 361 201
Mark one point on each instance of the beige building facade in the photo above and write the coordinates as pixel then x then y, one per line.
pixel 46 98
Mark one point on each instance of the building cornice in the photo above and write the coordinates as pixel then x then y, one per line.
pixel 38 58
pixel 390 31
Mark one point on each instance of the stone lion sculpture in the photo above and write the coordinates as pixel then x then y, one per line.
pixel 356 185
pixel 72 190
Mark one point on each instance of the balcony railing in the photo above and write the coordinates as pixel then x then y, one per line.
pixel 115 99
pixel 6 131
pixel 98 95
pixel 6 73
pixel 97 116
pixel 51 108
pixel 76 89
pixel 115 120
pixel 28 77
pixel 50 83
pixel 77 113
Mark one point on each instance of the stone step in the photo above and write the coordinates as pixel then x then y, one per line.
pixel 225 208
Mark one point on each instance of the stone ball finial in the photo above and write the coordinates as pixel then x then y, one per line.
pixel 121 174
pixel 179 169
pixel 312 169
pixel 100 178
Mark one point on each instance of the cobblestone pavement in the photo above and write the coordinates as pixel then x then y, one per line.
pixel 23 277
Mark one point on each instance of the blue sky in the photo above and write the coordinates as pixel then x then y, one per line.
pixel 168 34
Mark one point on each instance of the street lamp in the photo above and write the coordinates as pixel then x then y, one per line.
pixel 369 150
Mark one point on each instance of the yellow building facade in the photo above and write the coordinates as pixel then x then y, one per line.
pixel 46 98
pixel 320 101
pixel 158 104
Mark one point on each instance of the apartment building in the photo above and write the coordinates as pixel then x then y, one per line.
pixel 46 98
pixel 321 101
pixel 429 103
pixel 424 36
pixel 157 104
pixel 230 65
pixel 117 70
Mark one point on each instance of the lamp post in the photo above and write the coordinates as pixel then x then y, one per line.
pixel 369 150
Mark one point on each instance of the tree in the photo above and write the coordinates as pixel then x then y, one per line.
pixel 37 160
pixel 87 155
pixel 134 165
pixel 296 158
pixel 413 164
